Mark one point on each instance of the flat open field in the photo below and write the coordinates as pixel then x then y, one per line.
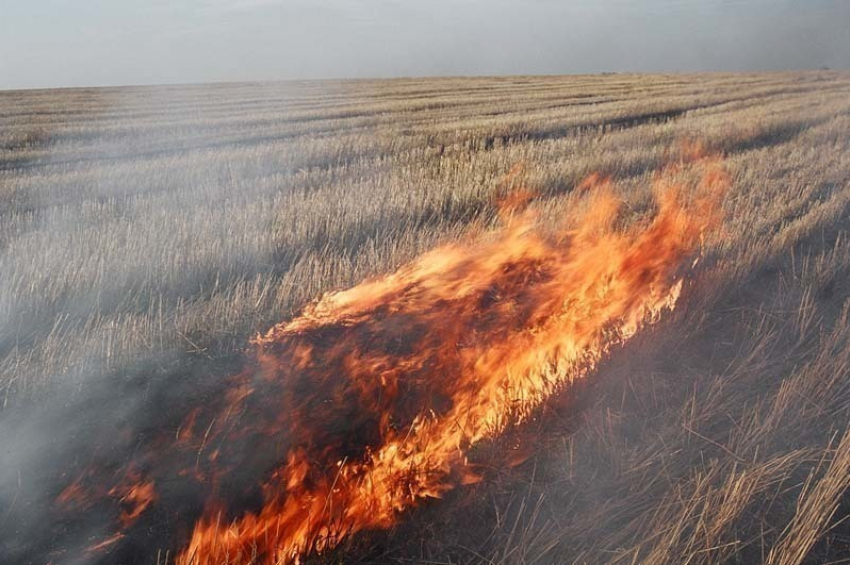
pixel 148 233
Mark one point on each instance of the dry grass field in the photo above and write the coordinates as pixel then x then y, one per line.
pixel 147 230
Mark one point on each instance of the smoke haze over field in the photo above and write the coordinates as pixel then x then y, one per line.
pixel 147 233
pixel 47 43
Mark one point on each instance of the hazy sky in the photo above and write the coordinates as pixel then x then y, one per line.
pixel 99 42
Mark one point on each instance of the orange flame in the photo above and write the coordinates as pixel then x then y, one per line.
pixel 133 494
pixel 421 365
pixel 134 499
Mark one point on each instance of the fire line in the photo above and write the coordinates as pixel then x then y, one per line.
pixel 370 401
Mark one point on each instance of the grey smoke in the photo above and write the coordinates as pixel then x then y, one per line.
pixel 114 202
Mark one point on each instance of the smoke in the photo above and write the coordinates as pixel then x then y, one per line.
pixel 121 222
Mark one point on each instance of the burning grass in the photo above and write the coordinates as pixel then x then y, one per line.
pixel 382 391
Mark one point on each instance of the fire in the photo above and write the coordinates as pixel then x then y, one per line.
pixel 384 389
pixel 134 499
pixel 373 400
